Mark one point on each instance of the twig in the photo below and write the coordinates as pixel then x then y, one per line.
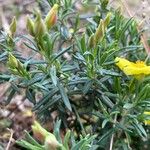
pixel 143 38
pixel 112 137
pixel 111 142
pixel 10 139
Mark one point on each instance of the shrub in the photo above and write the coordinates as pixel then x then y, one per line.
pixel 77 75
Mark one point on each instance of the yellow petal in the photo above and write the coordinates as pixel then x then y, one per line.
pixel 130 68
pixel 147 122
pixel 146 112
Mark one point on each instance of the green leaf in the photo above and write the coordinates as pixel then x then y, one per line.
pixel 3 56
pixel 108 72
pixel 84 143
pixel 49 104
pixel 30 46
pixel 30 96
pixel 105 136
pixel 10 96
pixel 87 86
pixel 5 77
pixel 128 106
pixel 45 98
pixel 61 53
pixel 56 131
pixel 125 27
pixel 53 75
pixel 139 128
pixel 30 139
pixel 66 139
pixel 34 80
pixel 105 122
pixel 64 95
pixel 78 145
pixel 28 146
pixel 65 32
pixel 83 44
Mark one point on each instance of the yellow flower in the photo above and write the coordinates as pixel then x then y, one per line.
pixel 147 122
pixel 131 68
pixel 146 112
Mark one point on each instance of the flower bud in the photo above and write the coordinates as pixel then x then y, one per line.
pixel 51 17
pixel 39 26
pixel 99 34
pixel 12 27
pixel 51 143
pixel 12 61
pixel 39 132
pixel 91 41
pixel 107 20
pixel 30 26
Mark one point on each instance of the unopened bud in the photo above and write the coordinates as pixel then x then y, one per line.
pixel 12 61
pixel 99 34
pixel 39 26
pixel 12 27
pixel 91 41
pixel 51 143
pixel 51 17
pixel 39 132
pixel 107 20
pixel 30 26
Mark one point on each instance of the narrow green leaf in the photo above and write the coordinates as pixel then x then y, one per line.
pixel 53 75
pixel 5 77
pixel 64 96
pixel 30 139
pixel 83 44
pixel 66 139
pixel 56 131
pixel 45 98
pixel 10 96
pixel 108 72
pixel 62 52
pixel 78 145
pixel 49 104
pixel 87 86
pixel 107 101
pixel 105 136
pixel 30 96
pixel 28 146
